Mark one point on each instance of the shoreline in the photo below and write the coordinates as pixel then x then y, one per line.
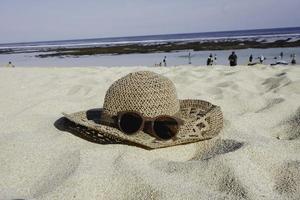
pixel 158 68
pixel 162 47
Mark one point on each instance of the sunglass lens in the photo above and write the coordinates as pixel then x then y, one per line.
pixel 130 123
pixel 165 127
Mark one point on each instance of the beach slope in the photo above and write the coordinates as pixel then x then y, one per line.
pixel 256 155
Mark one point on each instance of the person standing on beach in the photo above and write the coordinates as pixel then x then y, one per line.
pixel 10 64
pixel 209 61
pixel 281 55
pixel 190 58
pixel 232 59
pixel 165 61
pixel 261 59
pixel 215 59
pixel 293 62
pixel 250 58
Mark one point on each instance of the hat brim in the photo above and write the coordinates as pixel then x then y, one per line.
pixel 202 121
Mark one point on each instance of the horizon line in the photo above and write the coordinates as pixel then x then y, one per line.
pixel 132 36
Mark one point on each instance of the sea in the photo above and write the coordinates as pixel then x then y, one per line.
pixel 25 52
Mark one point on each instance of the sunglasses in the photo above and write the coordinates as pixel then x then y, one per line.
pixel 163 127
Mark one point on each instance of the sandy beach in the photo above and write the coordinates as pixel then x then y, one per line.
pixel 256 155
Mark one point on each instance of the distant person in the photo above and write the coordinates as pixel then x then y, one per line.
pixel 190 58
pixel 215 59
pixel 165 61
pixel 261 59
pixel 281 55
pixel 293 62
pixel 9 64
pixel 251 58
pixel 251 61
pixel 209 61
pixel 232 59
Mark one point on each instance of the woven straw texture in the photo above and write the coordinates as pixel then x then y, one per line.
pixel 152 95
pixel 147 92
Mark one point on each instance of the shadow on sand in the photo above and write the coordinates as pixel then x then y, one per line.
pixel 64 124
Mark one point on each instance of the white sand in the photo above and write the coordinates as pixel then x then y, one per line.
pixel 257 155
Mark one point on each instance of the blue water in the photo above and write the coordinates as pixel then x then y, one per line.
pixel 173 58
pixel 158 38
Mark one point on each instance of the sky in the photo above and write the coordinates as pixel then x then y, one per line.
pixel 44 20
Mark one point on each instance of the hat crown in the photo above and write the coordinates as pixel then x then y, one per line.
pixel 146 92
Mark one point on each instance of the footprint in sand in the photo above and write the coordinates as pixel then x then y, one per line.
pixel 292 88
pixel 217 147
pixel 231 185
pixel 228 84
pixel 270 103
pixel 287 180
pixel 225 84
pixel 131 184
pixel 281 74
pixel 216 92
pixel 80 90
pixel 275 83
pixel 65 166
pixel 140 190
pixel 289 129
pixel 229 73
pixel 216 174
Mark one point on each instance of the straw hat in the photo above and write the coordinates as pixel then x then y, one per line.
pixel 152 95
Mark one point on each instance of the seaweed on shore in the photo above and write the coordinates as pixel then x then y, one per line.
pixel 169 47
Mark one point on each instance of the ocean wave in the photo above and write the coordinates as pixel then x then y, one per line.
pixel 139 40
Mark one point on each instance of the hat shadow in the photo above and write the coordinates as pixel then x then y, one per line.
pixel 64 124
